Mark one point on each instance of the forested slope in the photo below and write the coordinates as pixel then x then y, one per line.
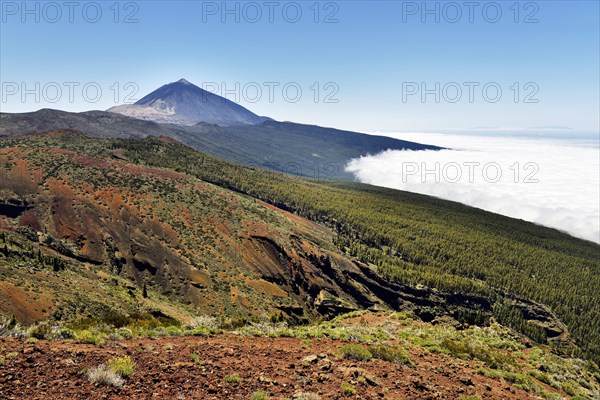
pixel 413 239
pixel 419 239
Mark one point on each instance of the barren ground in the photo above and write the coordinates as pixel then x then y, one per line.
pixel 52 370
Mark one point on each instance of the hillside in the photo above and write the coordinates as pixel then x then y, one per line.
pixel 416 240
pixel 192 231
pixel 297 149
pixel 217 251
pixel 102 240
pixel 93 204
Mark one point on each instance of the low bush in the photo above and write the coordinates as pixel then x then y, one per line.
pixel 233 378
pixel 122 366
pixel 103 375
pixel 389 353
pixel 199 331
pixel 205 321
pixel 348 389
pixel 541 376
pixel 195 358
pixel 41 331
pixel 89 337
pixel 125 333
pixel 465 348
pixel 355 352
pixel 259 395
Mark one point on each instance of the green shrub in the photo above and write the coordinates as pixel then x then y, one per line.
pixel 348 389
pixel 195 358
pixel 122 366
pixel 199 331
pixel 389 353
pixel 233 378
pixel 570 387
pixel 259 395
pixel 89 337
pixel 541 376
pixel 173 331
pixel 468 348
pixel 355 352
pixel 165 331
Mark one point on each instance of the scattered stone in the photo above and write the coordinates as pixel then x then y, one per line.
pixel 371 381
pixel 266 380
pixel 467 381
pixel 312 359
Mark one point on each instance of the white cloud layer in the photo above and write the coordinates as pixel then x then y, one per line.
pixel 566 195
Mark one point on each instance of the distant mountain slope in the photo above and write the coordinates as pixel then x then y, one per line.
pixel 304 150
pixel 184 103
pixel 97 123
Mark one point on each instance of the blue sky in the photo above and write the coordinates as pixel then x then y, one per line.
pixel 370 57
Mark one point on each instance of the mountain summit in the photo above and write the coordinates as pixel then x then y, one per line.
pixel 184 103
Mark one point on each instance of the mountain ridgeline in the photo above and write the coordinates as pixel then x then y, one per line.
pixel 152 222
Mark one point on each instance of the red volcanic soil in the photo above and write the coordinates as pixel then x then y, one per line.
pixel 164 370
